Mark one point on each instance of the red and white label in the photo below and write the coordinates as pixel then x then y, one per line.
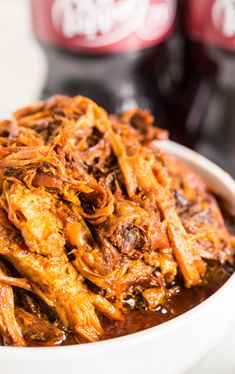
pixel 212 22
pixel 103 25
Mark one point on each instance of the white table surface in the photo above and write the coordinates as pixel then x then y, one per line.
pixel 22 70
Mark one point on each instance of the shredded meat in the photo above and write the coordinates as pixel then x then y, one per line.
pixel 95 217
pixel 9 328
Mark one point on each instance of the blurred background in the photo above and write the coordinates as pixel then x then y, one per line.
pixel 175 58
pixel 22 63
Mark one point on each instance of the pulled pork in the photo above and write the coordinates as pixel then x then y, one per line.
pixel 94 217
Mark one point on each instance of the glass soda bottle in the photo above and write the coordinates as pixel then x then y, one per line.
pixel 209 102
pixel 113 51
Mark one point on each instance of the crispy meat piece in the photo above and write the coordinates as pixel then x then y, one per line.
pixel 199 213
pixel 38 331
pixel 181 244
pixel 101 258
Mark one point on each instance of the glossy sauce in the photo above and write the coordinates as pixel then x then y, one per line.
pixel 185 300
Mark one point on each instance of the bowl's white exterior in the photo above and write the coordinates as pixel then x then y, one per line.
pixel 171 348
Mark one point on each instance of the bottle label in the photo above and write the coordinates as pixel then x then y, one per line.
pixel 212 22
pixel 103 25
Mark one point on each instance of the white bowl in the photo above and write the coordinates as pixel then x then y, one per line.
pixel 171 348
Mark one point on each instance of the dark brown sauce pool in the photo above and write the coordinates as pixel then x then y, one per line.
pixel 185 300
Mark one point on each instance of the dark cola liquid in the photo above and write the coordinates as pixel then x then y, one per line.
pixel 115 81
pixel 204 110
pixel 210 120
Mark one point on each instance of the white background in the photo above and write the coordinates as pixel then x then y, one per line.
pixel 22 63
pixel 22 71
